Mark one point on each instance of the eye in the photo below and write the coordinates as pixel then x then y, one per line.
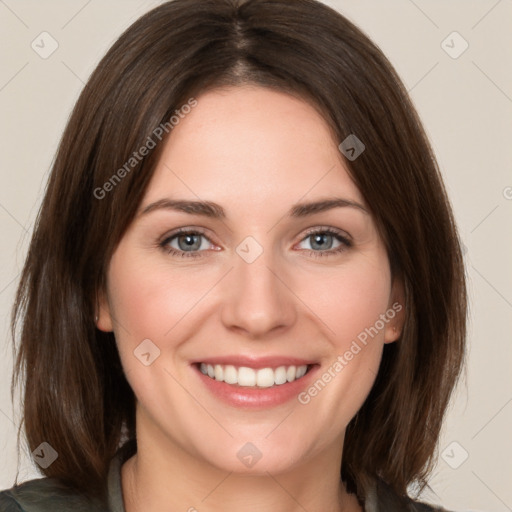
pixel 191 243
pixel 326 241
pixel 185 243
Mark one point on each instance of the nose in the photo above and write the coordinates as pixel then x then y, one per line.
pixel 258 300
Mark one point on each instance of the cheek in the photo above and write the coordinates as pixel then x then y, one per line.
pixel 352 303
pixel 349 300
pixel 150 305
pixel 149 300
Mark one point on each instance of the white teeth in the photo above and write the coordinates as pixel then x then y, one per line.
pixel 301 371
pixel 265 377
pixel 230 374
pixel 290 373
pixel 280 375
pixel 249 377
pixel 219 372
pixel 246 376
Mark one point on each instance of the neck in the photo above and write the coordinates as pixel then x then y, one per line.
pixel 155 479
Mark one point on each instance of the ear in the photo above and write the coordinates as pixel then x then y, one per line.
pixel 103 315
pixel 395 312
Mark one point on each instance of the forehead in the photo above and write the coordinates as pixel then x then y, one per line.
pixel 248 144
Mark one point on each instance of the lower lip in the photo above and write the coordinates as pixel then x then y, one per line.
pixel 256 398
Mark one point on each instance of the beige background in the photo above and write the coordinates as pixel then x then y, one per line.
pixel 466 106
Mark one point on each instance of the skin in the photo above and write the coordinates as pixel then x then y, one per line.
pixel 255 152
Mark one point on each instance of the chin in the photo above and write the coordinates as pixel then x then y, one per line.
pixel 254 455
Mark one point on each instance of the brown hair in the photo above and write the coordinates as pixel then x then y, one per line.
pixel 76 396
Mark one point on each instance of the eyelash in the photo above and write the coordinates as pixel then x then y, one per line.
pixel 345 242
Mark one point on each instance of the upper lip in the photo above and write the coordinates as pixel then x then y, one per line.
pixel 255 362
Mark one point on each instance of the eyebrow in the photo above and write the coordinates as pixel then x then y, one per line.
pixel 215 211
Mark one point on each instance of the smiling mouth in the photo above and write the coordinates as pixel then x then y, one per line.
pixel 244 376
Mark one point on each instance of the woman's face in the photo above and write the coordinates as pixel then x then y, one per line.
pixel 259 286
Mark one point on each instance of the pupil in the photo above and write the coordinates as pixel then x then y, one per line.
pixel 190 242
pixel 319 241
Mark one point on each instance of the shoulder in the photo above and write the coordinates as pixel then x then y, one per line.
pixel 45 495
pixel 383 499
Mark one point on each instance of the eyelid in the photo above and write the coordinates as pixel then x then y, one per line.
pixel 327 229
pixel 185 230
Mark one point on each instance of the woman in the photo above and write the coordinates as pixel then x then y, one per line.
pixel 245 287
